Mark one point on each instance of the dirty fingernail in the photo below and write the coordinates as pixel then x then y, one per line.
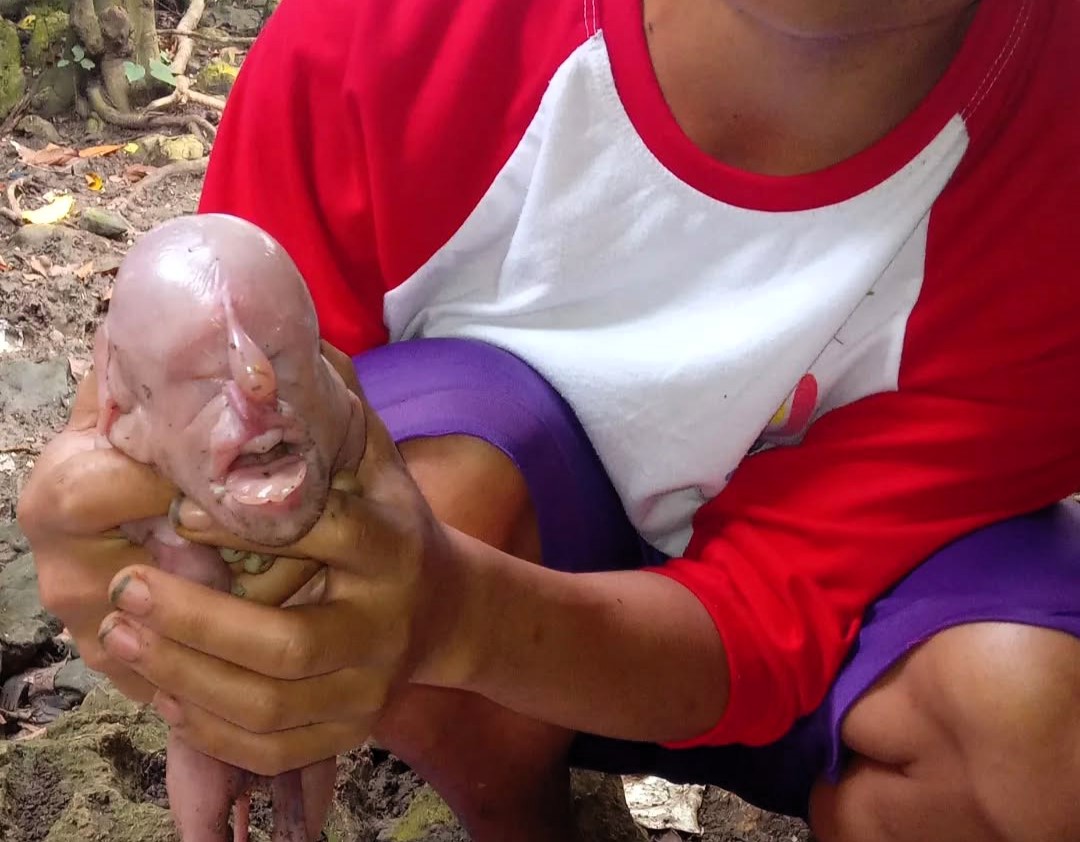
pixel 120 641
pixel 191 516
pixel 132 595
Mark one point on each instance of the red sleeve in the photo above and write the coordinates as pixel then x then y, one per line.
pixel 361 134
pixel 985 425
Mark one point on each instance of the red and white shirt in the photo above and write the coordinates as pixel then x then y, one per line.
pixel 800 387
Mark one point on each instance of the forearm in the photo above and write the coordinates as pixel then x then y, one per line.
pixel 631 654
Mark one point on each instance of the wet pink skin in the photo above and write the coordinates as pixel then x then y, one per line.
pixel 210 348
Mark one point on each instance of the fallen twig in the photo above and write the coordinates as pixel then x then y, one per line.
pixel 221 40
pixel 13 117
pixel 13 211
pixel 196 167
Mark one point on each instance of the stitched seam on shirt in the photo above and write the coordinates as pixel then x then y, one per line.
pixel 585 17
pixel 595 18
pixel 997 69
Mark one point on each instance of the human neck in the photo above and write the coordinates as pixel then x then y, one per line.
pixel 768 96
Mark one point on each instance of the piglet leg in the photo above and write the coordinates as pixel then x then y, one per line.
pixel 201 792
pixel 287 791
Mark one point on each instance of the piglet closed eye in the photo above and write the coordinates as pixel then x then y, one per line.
pixel 210 370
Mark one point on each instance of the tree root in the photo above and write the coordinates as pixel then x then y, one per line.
pixel 144 120
pixel 13 212
pixel 183 94
pixel 16 113
pixel 219 40
pixel 196 167
pixel 185 46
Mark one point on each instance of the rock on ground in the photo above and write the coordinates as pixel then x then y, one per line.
pixel 25 627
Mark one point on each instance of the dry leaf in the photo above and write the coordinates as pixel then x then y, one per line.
pixel 85 271
pixel 79 367
pixel 53 212
pixel 51 156
pixel 30 732
pixel 4 265
pixel 40 265
pixel 98 151
pixel 137 172
pixel 658 804
pixel 94 181
pixel 131 148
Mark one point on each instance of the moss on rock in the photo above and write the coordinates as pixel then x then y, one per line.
pixel 425 812
pixel 217 77
pixel 12 81
pixel 49 39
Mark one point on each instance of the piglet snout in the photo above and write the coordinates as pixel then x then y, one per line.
pixel 250 367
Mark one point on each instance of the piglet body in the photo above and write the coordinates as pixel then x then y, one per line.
pixel 210 369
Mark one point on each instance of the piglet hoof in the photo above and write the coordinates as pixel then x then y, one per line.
pixel 290 824
pixel 242 818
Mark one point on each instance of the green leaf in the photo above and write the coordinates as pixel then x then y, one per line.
pixel 133 71
pixel 87 64
pixel 160 71
pixel 63 63
pixel 77 53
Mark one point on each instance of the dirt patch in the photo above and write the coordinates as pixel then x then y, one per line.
pixel 43 794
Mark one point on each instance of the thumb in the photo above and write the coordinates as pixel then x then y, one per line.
pixel 85 409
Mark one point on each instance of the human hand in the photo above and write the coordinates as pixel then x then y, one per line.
pixel 77 496
pixel 272 689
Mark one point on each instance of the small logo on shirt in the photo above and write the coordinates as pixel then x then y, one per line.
pixel 793 417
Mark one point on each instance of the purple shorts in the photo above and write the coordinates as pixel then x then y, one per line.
pixel 1026 570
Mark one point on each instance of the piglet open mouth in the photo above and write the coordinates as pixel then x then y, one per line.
pixel 268 470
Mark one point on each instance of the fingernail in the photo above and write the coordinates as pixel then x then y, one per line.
pixel 131 595
pixel 191 516
pixel 120 641
pixel 168 708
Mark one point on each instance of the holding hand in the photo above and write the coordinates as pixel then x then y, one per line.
pixel 272 689
pixel 70 510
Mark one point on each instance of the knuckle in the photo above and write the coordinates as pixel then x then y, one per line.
pixel 270 760
pixel 95 658
pixel 52 595
pixel 266 713
pixel 296 656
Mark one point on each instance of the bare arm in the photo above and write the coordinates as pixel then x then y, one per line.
pixel 628 654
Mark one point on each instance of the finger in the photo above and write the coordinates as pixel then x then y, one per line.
pixel 249 700
pixel 380 453
pixel 98 490
pixel 350 525
pixel 264 754
pixel 72 581
pixel 287 643
pixel 342 363
pixel 85 409
pixel 283 580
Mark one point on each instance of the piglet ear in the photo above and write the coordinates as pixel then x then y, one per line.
pixel 107 405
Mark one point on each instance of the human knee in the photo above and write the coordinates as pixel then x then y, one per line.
pixel 1006 698
pixel 1001 685
pixel 473 486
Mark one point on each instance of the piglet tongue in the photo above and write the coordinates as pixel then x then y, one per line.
pixel 257 485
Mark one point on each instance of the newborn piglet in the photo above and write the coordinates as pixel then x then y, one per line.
pixel 210 370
